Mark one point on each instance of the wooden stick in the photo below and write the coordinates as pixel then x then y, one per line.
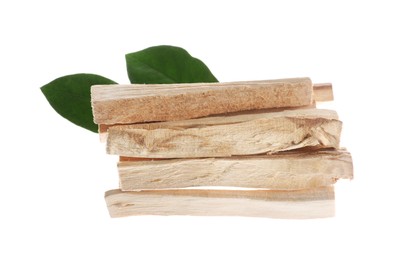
pixel 227 136
pixel 137 159
pixel 299 204
pixel 290 170
pixel 125 104
pixel 103 128
pixel 323 92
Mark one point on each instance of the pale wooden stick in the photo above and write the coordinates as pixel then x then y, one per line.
pixel 103 128
pixel 291 170
pixel 124 104
pixel 323 92
pixel 297 204
pixel 137 159
pixel 227 136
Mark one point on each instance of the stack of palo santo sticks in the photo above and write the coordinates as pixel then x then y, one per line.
pixel 254 148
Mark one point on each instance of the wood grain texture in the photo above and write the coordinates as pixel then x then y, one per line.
pixel 124 104
pixel 299 204
pixel 102 130
pixel 291 170
pixel 227 136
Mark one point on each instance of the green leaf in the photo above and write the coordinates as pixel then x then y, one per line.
pixel 70 97
pixel 166 64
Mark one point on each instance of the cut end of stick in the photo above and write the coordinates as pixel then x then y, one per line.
pixel 323 92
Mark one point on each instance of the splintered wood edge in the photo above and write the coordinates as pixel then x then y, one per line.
pixel 293 204
pixel 301 152
pixel 304 111
pixel 261 133
pixel 282 171
pixel 102 129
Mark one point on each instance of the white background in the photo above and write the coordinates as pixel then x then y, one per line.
pixel 53 175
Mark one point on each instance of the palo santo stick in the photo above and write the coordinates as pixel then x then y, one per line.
pixel 297 204
pixel 291 170
pixel 227 136
pixel 323 92
pixel 103 128
pixel 125 104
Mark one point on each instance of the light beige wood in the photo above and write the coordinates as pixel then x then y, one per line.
pixel 298 204
pixel 290 170
pixel 103 128
pixel 124 104
pixel 323 92
pixel 227 136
